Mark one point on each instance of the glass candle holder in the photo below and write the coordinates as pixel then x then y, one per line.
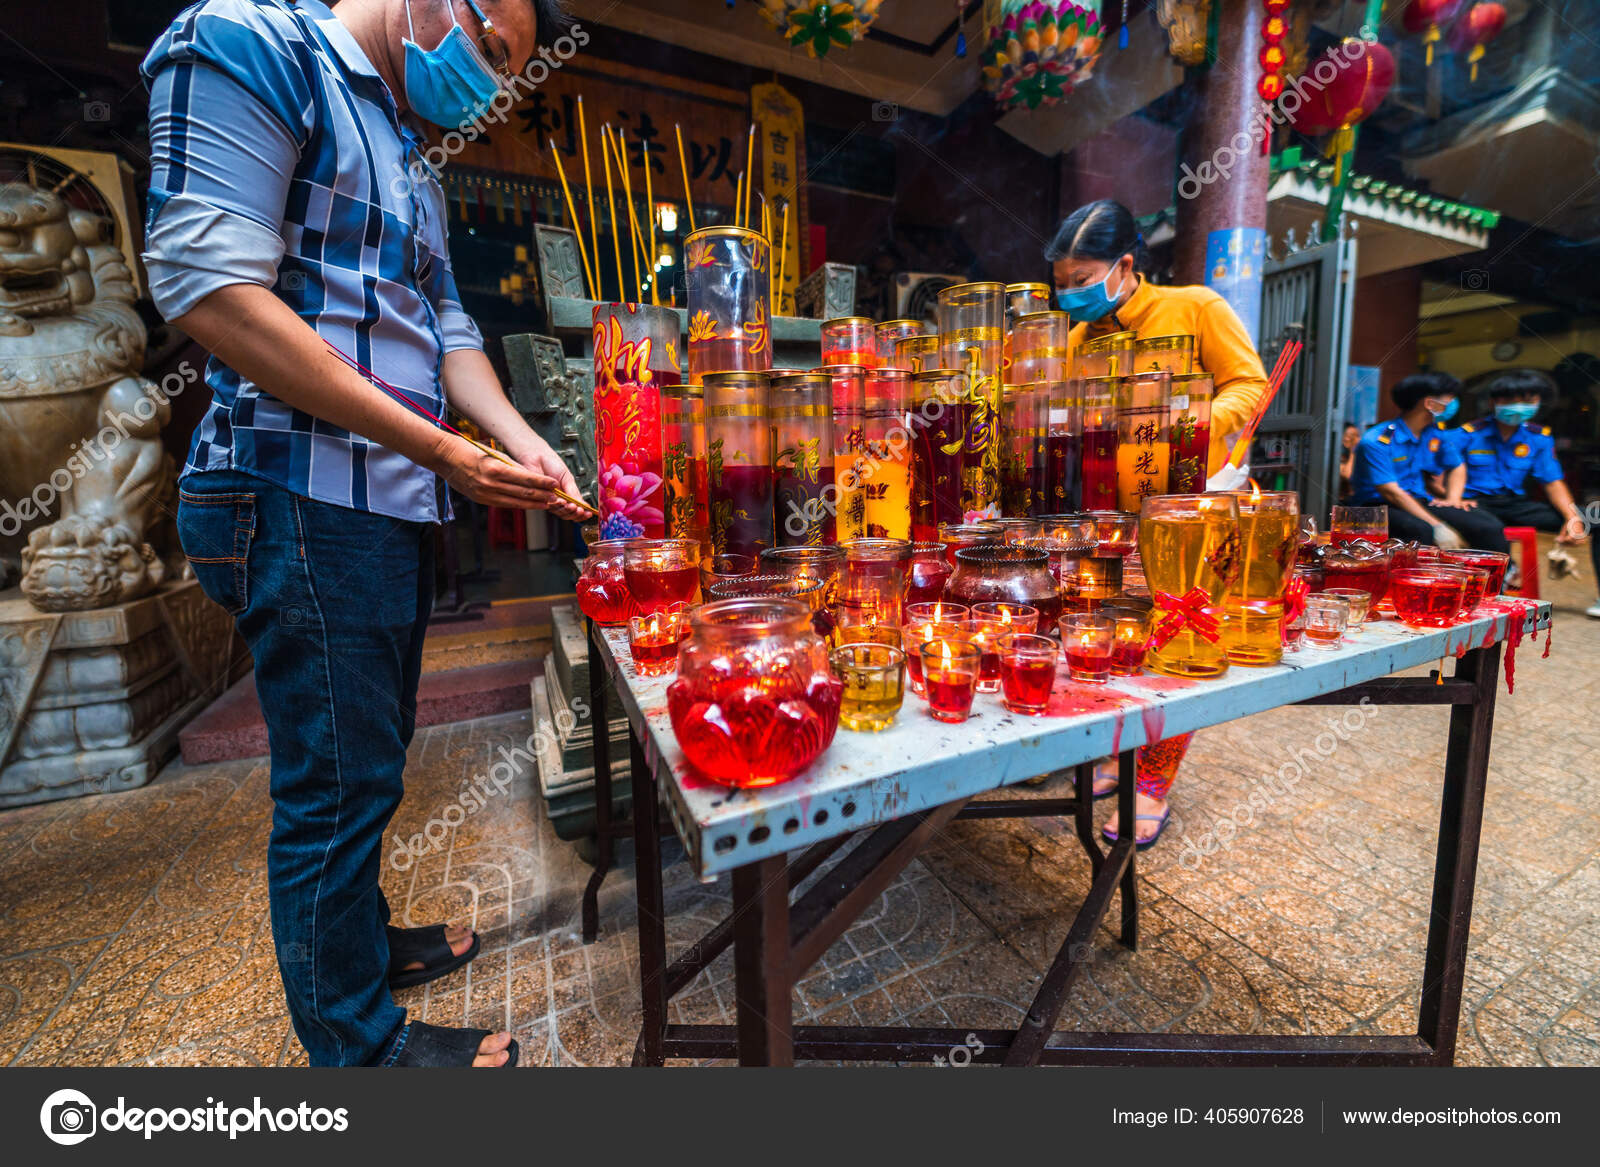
pixel 1130 637
pixel 1190 548
pixel 928 573
pixel 1474 583
pixel 889 333
pixel 888 450
pixel 956 536
pixel 683 462
pixel 1022 449
pixel 807 565
pixel 1252 604
pixel 850 340
pixel 1028 672
pixel 1326 618
pixel 950 674
pixel 1106 356
pixel 919 630
pixel 662 572
pixel 1172 355
pixel 1425 598
pixel 754 701
pixel 1494 562
pixel 1097 467
pixel 811 593
pixel 1191 433
pixel 800 406
pixel 1360 565
pixel 917 354
pixel 739 462
pixel 1360 603
pixel 990 623
pixel 1294 632
pixel 1063 444
pixel 727 273
pixel 1026 299
pixel 1144 437
pixel 1087 641
pixel 1039 348
pixel 1016 532
pixel 849 450
pixel 721 568
pixel 602 586
pixel 634 366
pixel 939 408
pixel 1014 575
pixel 972 339
pixel 1352 523
pixel 653 641
pixel 874 677
pixel 872 587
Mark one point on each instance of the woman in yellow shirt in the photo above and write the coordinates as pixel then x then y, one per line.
pixel 1098 260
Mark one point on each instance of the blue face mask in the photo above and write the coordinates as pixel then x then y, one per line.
pixel 1090 302
pixel 449 85
pixel 1516 414
pixel 1448 411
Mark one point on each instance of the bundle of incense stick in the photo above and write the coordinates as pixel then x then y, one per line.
pixel 1280 373
pixel 405 400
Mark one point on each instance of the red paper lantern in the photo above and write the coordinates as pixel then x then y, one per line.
pixel 1344 87
pixel 1481 24
pixel 1428 17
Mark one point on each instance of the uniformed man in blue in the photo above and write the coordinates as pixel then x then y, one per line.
pixel 1394 458
pixel 1499 453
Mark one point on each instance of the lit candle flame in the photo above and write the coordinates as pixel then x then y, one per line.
pixel 1255 492
pixel 944 646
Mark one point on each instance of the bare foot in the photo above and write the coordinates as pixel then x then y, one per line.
pixel 492 1051
pixel 1144 829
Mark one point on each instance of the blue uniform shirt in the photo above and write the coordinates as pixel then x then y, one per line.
pixel 1497 465
pixel 1390 452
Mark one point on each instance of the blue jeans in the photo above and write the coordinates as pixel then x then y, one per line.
pixel 333 603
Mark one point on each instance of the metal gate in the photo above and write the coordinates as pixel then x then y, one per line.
pixel 1307 293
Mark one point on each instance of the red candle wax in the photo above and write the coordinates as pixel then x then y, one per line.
pixel 1370 576
pixel 1088 663
pixel 1127 656
pixel 950 695
pixel 657 588
pixel 654 653
pixel 1027 683
pixel 1424 601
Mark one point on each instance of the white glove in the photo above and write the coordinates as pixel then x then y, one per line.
pixel 1229 478
pixel 1446 538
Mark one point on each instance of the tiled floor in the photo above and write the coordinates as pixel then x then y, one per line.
pixel 134 926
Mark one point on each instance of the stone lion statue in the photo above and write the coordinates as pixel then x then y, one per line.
pixel 86 489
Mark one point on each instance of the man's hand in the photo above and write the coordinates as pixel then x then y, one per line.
pixel 537 456
pixel 1575 530
pixel 1465 504
pixel 486 479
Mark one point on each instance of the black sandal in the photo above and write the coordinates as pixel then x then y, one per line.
pixel 424 1045
pixel 428 945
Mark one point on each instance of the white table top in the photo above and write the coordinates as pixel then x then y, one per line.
pixel 863 779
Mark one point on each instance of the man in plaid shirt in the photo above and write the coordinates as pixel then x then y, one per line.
pixel 291 215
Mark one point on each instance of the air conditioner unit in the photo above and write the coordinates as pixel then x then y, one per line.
pixel 916 294
pixel 89 180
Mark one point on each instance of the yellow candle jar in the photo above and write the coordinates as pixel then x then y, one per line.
pixel 1252 607
pixel 1190 548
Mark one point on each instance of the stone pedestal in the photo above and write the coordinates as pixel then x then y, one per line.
pixel 92 701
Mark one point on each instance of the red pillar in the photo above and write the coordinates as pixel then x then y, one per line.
pixel 1221 185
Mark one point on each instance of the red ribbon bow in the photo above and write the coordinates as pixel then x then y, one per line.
pixel 1294 600
pixel 1191 609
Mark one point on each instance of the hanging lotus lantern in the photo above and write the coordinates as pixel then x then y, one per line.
pixel 1429 17
pixel 1353 78
pixel 1038 50
pixel 1481 24
pixel 819 25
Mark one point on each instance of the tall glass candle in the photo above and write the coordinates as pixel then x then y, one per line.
pixel 916 353
pixel 888 333
pixel 972 339
pixel 1191 433
pixel 739 462
pixel 1063 447
pixel 938 445
pixel 888 449
pixel 850 340
pixel 1105 356
pixel 801 408
pixel 1173 355
pixel 1098 468
pixel 683 462
pixel 1022 432
pixel 1189 545
pixel 635 348
pixel 1039 348
pixel 1252 606
pixel 1144 441
pixel 849 449
pixel 1025 300
pixel 727 273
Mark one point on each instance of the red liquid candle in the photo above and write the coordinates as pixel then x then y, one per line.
pixel 741 502
pixel 929 572
pixel 937 450
pixel 1089 664
pixel 602 588
pixel 1364 575
pixel 653 641
pixel 1098 469
pixel 991 624
pixel 1474 585
pixel 1494 562
pixel 1087 642
pixel 1424 599
pixel 1374 535
pixel 662 572
pixel 1128 643
pixel 749 732
pixel 950 676
pixel 1028 672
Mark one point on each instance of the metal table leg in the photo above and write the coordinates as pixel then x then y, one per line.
pixel 761 963
pixel 652 910
pixel 600 719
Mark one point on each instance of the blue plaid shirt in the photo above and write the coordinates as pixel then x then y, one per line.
pixel 278 159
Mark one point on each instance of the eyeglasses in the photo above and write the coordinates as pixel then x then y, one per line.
pixel 494 47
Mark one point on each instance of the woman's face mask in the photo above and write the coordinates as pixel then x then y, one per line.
pixel 1092 301
pixel 449 85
